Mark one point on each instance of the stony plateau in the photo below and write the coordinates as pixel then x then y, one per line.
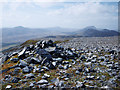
pixel 75 63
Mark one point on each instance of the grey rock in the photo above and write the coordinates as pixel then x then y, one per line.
pixel 77 72
pixel 60 67
pixel 29 76
pixel 50 49
pixel 35 60
pixel 61 83
pixel 90 78
pixel 54 63
pixel 16 71
pixel 51 87
pixel 42 82
pixel 7 77
pixel 31 85
pixel 66 79
pixel 44 54
pixel 66 66
pixel 79 84
pixel 15 60
pixel 50 43
pixel 105 87
pixel 22 53
pixel 46 75
pixel 87 63
pixel 45 60
pixel 26 70
pixel 65 62
pixel 57 59
pixel 8 87
pixel 55 81
pixel 46 68
pixel 22 63
pixel 51 66
pixel 15 80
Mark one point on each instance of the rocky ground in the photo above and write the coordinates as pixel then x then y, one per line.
pixel 76 63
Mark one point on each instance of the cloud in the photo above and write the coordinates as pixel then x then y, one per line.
pixel 71 15
pixel 59 1
pixel 85 8
pixel 82 14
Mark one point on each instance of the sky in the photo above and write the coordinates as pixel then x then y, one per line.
pixel 63 14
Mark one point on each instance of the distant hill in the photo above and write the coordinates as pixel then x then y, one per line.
pixel 21 34
pixel 92 31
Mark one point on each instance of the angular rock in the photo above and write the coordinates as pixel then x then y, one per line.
pixel 77 72
pixel 46 75
pixel 66 66
pixel 15 80
pixel 15 60
pixel 60 67
pixel 90 78
pixel 35 60
pixel 31 85
pixel 29 76
pixel 57 59
pixel 16 71
pixel 51 66
pixel 21 54
pixel 50 49
pixel 46 68
pixel 50 43
pixel 22 63
pixel 26 70
pixel 8 87
pixel 42 82
pixel 45 60
pixel 7 77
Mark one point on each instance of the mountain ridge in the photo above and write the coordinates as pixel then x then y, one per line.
pixel 22 34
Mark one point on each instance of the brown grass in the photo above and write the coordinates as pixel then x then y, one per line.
pixel 28 42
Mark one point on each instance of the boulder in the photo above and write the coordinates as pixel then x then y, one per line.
pixel 15 60
pixel 57 59
pixel 8 87
pixel 42 82
pixel 105 87
pixel 66 66
pixel 79 84
pixel 50 49
pixel 43 44
pixel 15 80
pixel 5 58
pixel 46 75
pixel 21 54
pixel 34 60
pixel 26 70
pixel 90 78
pixel 16 71
pixel 60 67
pixel 46 68
pixel 50 43
pixel 43 53
pixel 51 66
pixel 45 60
pixel 31 85
pixel 7 77
pixel 61 83
pixel 77 72
pixel 22 63
pixel 29 76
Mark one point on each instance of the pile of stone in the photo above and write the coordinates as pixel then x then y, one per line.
pixel 45 54
pixel 80 63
